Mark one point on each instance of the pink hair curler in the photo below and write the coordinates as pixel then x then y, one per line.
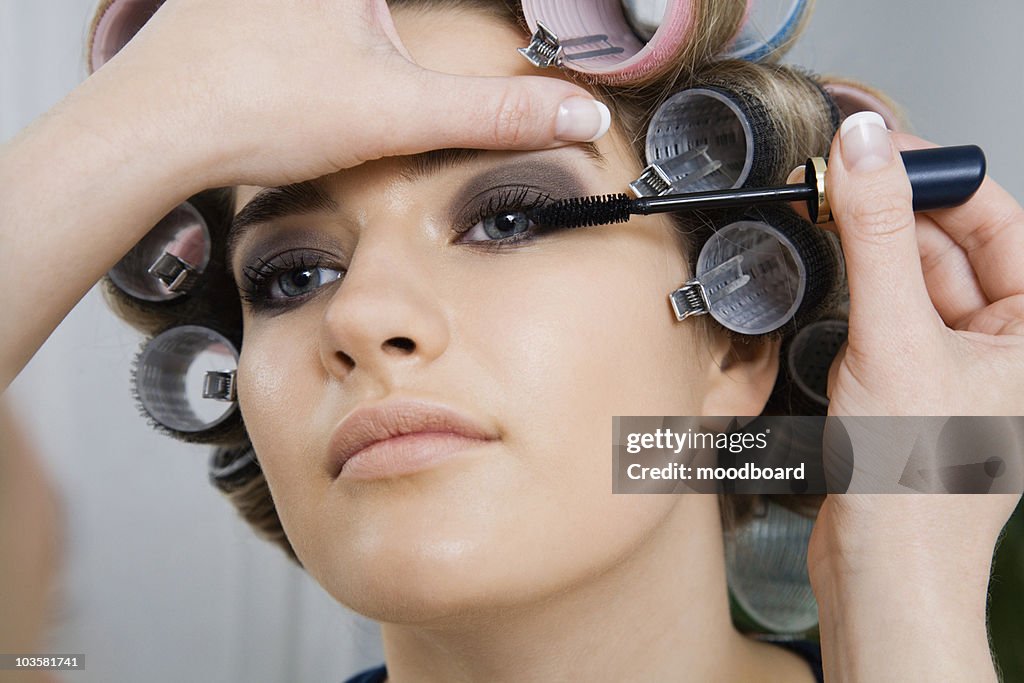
pixel 594 37
pixel 851 97
pixel 117 22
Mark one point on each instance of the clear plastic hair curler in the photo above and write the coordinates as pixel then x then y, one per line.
pixel 757 274
pixel 770 29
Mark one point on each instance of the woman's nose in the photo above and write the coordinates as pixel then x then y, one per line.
pixel 385 318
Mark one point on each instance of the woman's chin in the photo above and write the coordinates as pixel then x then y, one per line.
pixel 435 586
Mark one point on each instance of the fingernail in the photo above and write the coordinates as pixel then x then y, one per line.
pixel 796 175
pixel 581 119
pixel 865 142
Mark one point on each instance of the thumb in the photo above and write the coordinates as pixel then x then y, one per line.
pixel 515 112
pixel 872 204
pixel 518 112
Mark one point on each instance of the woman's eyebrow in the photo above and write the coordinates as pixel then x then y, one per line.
pixel 427 163
pixel 310 197
pixel 277 202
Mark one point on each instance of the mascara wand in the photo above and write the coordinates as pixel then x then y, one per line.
pixel 940 178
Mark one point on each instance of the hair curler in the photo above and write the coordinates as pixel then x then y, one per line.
pixel 117 22
pixel 707 138
pixel 759 273
pixel 233 468
pixel 719 136
pixel 851 97
pixel 169 260
pixel 770 28
pixel 810 356
pixel 596 38
pixel 766 569
pixel 184 381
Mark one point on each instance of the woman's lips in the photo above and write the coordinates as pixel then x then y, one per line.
pixel 406 454
pixel 400 437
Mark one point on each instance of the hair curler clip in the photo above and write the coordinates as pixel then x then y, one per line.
pixel 168 261
pixel 184 380
pixel 755 275
pixel 117 22
pixel 595 37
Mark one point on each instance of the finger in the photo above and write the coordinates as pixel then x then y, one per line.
pixel 949 277
pixel 796 177
pixel 382 15
pixel 990 230
pixel 517 112
pixel 872 206
pixel 952 283
pixel 833 370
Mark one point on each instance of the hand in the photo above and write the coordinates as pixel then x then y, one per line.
pixel 936 303
pixel 277 91
pixel 936 328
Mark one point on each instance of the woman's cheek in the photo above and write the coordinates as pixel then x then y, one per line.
pixel 276 393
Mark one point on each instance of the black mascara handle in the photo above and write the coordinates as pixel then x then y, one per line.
pixel 944 177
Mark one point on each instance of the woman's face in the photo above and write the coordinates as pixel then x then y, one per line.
pixel 538 341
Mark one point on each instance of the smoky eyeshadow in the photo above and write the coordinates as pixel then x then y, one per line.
pixel 559 179
pixel 264 245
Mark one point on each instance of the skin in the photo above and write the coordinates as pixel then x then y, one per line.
pixel 31 532
pixel 474 565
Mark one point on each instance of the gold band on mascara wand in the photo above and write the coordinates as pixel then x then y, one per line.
pixel 814 174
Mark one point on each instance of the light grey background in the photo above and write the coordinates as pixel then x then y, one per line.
pixel 163 582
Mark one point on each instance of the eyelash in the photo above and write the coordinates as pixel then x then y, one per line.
pixel 508 199
pixel 261 277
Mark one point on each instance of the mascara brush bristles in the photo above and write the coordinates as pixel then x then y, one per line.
pixel 581 212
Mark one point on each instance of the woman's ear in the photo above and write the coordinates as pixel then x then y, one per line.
pixel 741 373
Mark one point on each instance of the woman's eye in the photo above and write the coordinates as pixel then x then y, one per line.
pixel 299 281
pixel 501 225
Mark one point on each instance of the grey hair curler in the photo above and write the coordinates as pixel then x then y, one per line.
pixel 184 381
pixel 760 273
pixel 810 356
pixel 233 468
pixel 708 138
pixel 720 135
pixel 168 261
pixel 766 568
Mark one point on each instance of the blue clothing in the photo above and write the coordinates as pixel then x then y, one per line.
pixel 370 676
pixel 806 649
